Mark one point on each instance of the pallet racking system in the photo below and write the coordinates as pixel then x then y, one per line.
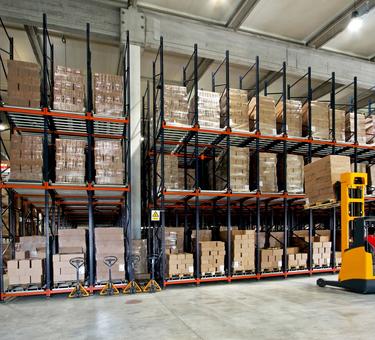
pixel 193 144
pixel 62 204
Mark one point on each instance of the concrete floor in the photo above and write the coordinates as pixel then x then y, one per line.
pixel 270 309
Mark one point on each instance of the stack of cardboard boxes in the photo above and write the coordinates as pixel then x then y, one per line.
pixel 339 125
pixel 319 120
pixel 26 158
pixel 69 90
pixel 109 242
pixel 109 165
pixel 271 259
pixel 361 128
pixel 171 172
pixel 212 254
pixel 72 244
pixel 321 177
pixel 267 117
pixel 108 95
pixel 174 240
pixel 23 84
pixel 31 247
pixel 208 108
pixel 370 129
pixel 181 264
pixel 239 116
pixel 176 105
pixel 295 173
pixel 70 160
pixel 296 260
pixel 243 249
pixel 321 251
pixel 25 272
pixel 293 117
pixel 267 172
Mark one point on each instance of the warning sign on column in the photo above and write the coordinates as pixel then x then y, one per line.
pixel 155 215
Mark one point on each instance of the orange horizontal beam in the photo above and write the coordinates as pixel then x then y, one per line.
pixel 46 186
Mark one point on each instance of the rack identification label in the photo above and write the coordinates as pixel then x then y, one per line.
pixel 155 215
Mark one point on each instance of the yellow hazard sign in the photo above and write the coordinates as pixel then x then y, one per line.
pixel 155 215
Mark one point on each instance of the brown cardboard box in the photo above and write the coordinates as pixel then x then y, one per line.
pixel 174 240
pixel 211 261
pixel 72 241
pixel 295 173
pixel 267 172
pixel 339 125
pixel 293 117
pixel 238 115
pixel 109 165
pixel 321 176
pixel 176 105
pixel 319 120
pixel 267 115
pixel 180 264
pixel 361 128
pixel 271 259
pixel 208 108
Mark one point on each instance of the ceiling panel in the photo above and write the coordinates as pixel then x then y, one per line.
pixel 293 20
pixel 213 10
pixel 361 43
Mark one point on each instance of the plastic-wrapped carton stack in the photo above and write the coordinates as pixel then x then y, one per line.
pixel 321 176
pixel 109 242
pixel 361 128
pixel 72 241
pixel 319 120
pixel 293 117
pixel 295 165
pixel 239 169
pixel 370 129
pixel 31 247
pixel 176 105
pixel 212 257
pixel 26 158
pixel 271 259
pixel 204 235
pixel 69 90
pixel 267 172
pixel 239 116
pixel 339 125
pixel 139 248
pixel 108 95
pixel 25 272
pixel 267 116
pixel 181 264
pixel 243 249
pixel 174 240
pixel 321 251
pixel 208 109
pixel 23 84
pixel 70 160
pixel 296 260
pixel 109 165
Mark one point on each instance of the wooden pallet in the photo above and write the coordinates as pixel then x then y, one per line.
pixel 298 268
pixel 323 204
pixel 24 287
pixel 181 276
pixel 64 284
pixel 243 272
pixel 213 274
pixel 272 270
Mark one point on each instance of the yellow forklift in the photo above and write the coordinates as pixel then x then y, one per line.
pixel 357 238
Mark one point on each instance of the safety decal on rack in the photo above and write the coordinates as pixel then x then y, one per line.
pixel 155 215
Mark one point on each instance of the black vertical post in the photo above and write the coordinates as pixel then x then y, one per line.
pixel 11 48
pixel 52 75
pixel 333 109
pixel 309 159
pixel 355 123
pixel 154 156
pixel 11 221
pixel 45 65
pixel 333 258
pixel 285 155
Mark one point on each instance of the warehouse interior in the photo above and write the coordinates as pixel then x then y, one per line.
pixel 193 170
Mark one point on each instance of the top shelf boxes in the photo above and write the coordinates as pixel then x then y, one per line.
pixel 175 105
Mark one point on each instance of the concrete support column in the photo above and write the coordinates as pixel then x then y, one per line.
pixel 135 139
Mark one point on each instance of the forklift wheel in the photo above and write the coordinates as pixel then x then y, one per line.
pixel 321 283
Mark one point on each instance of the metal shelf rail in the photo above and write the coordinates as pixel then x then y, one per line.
pixel 62 204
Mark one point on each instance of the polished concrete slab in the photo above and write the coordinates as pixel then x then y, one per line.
pixel 270 309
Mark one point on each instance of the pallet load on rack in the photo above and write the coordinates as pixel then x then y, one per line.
pixel 370 129
pixel 108 95
pixel 69 90
pixel 25 272
pixel 109 165
pixel 321 251
pixel 30 247
pixel 239 107
pixel 208 108
pixel 293 117
pixel 243 249
pixel 239 169
pixel 296 260
pixel 139 249
pixel 339 125
pixel 361 128
pixel 23 84
pixel 26 158
pixel 70 161
pixel 321 177
pixel 212 254
pixel 204 235
pixel 109 242
pixel 174 240
pixel 295 173
pixel 176 105
pixel 319 120
pixel 72 243
pixel 267 116
pixel 271 259
pixel 267 172
pixel 180 265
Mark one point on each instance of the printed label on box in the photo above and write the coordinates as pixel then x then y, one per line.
pixel 191 269
pixel 121 267
pixel 221 268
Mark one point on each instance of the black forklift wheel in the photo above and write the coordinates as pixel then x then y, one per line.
pixel 321 283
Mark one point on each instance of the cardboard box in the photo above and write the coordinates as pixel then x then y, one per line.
pixel 293 117
pixel 321 177
pixel 319 120
pixel 267 172
pixel 361 128
pixel 211 262
pixel 208 108
pixel 181 264
pixel 108 95
pixel 339 125
pixel 176 105
pixel 295 173
pixel 267 115
pixel 174 240
pixel 239 107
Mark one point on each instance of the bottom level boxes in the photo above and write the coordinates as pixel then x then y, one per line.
pixel 25 272
pixel 212 255
pixel 271 259
pixel 63 271
pixel 180 264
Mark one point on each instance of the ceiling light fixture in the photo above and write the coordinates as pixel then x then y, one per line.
pixel 355 22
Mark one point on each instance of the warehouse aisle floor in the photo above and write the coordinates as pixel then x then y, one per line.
pixel 269 309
